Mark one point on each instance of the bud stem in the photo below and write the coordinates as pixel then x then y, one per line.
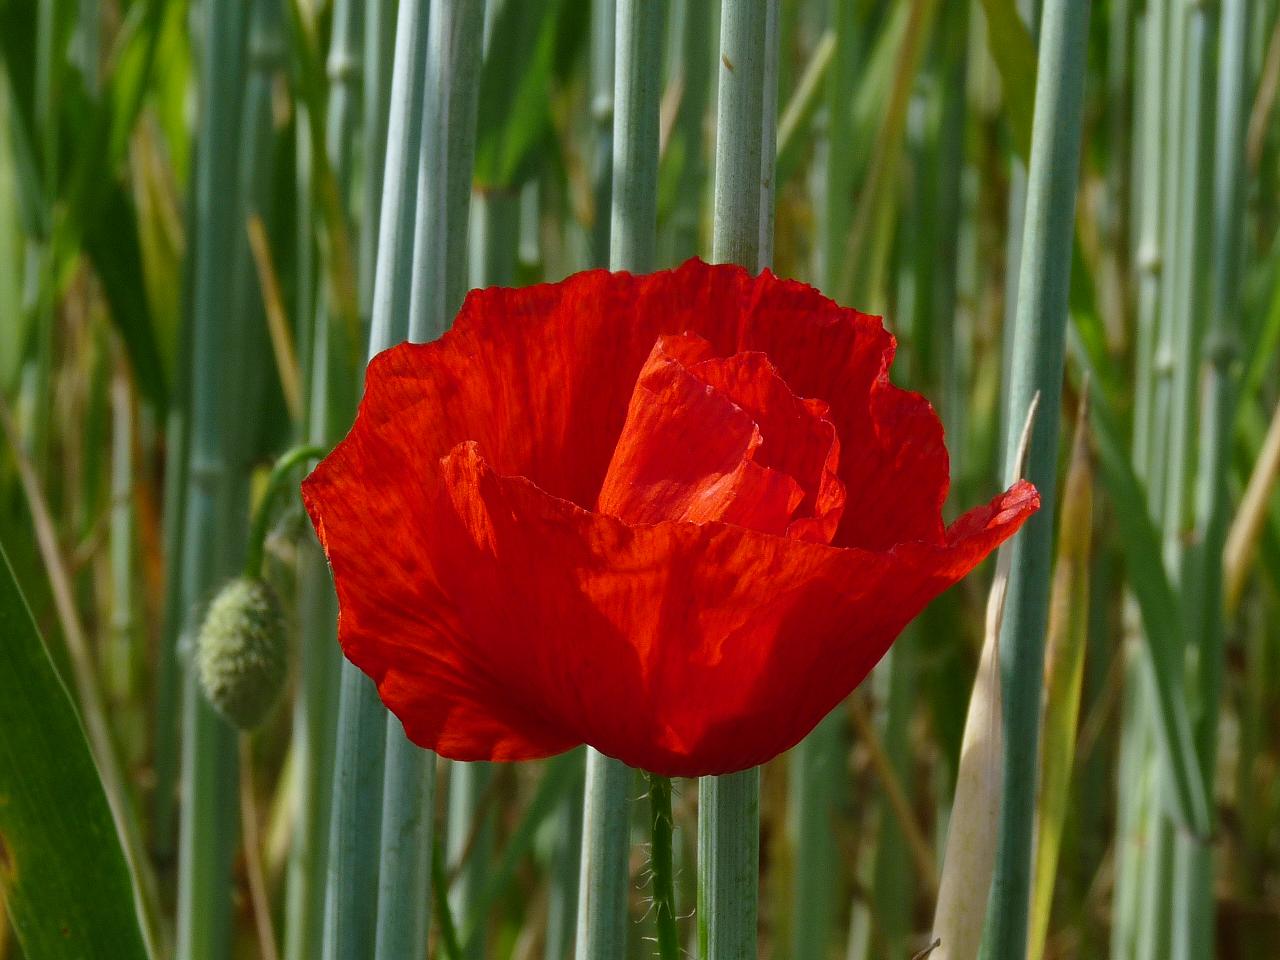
pixel 262 514
pixel 663 880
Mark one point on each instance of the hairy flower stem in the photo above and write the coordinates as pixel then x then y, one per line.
pixel 663 877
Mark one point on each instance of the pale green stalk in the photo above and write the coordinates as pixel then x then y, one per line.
pixel 633 223
pixel 217 503
pixel 444 174
pixel 566 853
pixel 1190 282
pixel 1029 11
pixel 693 72
pixel 816 773
pixel 356 841
pixel 394 268
pixel 729 806
pixel 740 133
pixel 817 763
pixel 1037 366
pixel 603 30
pixel 769 132
pixel 330 401
pixel 604 877
pixel 1217 416
pixel 637 93
pixel 447 135
pixel 493 232
pixel 1135 807
pixel 469 842
pixel 379 58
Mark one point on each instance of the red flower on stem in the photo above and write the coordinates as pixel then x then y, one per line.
pixel 678 517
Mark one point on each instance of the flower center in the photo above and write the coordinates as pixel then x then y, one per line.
pixel 711 438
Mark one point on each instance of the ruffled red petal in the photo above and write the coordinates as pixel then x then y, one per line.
pixel 542 377
pixel 710 438
pixel 503 620
pixel 685 649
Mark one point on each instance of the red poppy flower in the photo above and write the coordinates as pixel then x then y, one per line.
pixel 678 517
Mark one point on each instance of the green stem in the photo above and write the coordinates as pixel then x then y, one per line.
pixel 1217 415
pixel 602 911
pixel 663 878
pixel 446 136
pixel 562 905
pixel 815 776
pixel 216 496
pixel 468 844
pixel 740 133
pixel 448 143
pixel 352 918
pixel 393 274
pixel 603 879
pixel 332 389
pixel 277 484
pixel 380 39
pixel 637 92
pixel 729 864
pixel 603 38
pixel 729 806
pixel 1037 366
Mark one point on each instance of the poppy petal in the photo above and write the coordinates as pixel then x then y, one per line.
pixel 542 378
pixel 684 649
pixel 370 509
pixel 688 452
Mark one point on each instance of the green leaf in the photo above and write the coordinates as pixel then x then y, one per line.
pixel 63 872
pixel 112 243
pixel 514 115
pixel 1015 56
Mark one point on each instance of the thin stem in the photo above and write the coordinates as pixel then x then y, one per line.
pixel 354 910
pixel 729 806
pixel 603 40
pixel 637 92
pixel 447 135
pixel 394 270
pixel 444 174
pixel 380 39
pixel 663 878
pixel 603 879
pixel 1037 366
pixel 740 133
pixel 728 868
pixel 217 498
pixel 277 485
pixel 602 908
pixel 1216 419
pixel 468 843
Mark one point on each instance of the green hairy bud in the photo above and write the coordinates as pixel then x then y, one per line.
pixel 241 652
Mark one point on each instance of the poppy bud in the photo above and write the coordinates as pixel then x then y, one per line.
pixel 241 651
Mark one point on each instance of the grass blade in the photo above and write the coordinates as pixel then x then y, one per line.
pixel 63 871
